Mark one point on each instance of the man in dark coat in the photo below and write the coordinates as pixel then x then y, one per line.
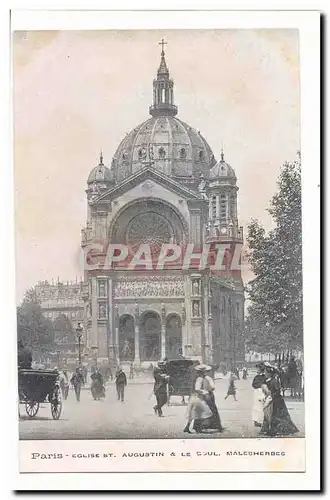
pixel 24 356
pixel 160 387
pixel 77 380
pixel 121 382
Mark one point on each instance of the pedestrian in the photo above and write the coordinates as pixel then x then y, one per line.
pixel 231 388
pixel 77 380
pixel 244 373
pixel 97 386
pixel 277 420
pixel 121 382
pixel 207 384
pixel 198 410
pixel 64 384
pixel 24 356
pixel 160 387
pixel 131 370
pixel 85 373
pixel 258 396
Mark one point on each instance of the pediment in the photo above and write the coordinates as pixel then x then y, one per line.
pixel 146 178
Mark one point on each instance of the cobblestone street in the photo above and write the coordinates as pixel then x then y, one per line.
pixel 135 418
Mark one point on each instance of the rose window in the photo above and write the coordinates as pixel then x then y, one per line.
pixel 149 228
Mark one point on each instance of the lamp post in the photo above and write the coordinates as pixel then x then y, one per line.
pixel 79 331
pixel 58 358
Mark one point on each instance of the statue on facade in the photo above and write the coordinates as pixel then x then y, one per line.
pixel 116 315
pixel 196 309
pixel 195 287
pixel 103 311
pixel 126 349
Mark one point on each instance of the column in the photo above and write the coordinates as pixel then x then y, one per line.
pixel 206 341
pixel 187 334
pixel 117 342
pixel 163 339
pixel 218 207
pixel 95 313
pixel 137 340
pixel 111 340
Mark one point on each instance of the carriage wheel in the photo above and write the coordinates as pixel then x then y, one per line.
pixel 56 404
pixel 31 409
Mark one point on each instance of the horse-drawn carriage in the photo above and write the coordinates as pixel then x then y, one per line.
pixel 182 377
pixel 39 386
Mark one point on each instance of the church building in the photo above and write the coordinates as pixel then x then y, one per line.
pixel 164 186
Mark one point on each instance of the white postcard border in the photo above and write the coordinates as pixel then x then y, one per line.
pixel 308 24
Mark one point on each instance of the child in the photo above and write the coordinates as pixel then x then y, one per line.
pixel 231 389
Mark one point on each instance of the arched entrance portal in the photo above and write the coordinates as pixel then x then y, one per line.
pixel 173 344
pixel 150 336
pixel 126 338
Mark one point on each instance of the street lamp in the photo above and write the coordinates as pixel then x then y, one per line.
pixel 79 331
pixel 58 358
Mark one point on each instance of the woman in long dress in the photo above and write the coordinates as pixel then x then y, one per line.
pixel 198 410
pixel 258 396
pixel 214 421
pixel 277 420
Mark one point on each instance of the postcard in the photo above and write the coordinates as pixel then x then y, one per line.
pixel 160 209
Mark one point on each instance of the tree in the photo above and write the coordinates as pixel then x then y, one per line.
pixel 63 328
pixel 33 328
pixel 276 260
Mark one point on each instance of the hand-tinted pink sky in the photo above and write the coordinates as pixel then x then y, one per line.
pixel 76 92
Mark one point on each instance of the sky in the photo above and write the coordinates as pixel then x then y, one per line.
pixel 77 92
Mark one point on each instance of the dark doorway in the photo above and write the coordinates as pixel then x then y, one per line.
pixel 173 336
pixel 126 338
pixel 150 332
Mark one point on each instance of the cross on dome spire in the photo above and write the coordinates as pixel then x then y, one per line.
pixel 163 70
pixel 222 155
pixel 163 101
pixel 162 43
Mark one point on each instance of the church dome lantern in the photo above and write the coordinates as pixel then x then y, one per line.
pixel 164 142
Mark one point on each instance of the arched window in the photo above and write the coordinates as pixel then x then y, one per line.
pixel 201 155
pixel 183 153
pixel 161 153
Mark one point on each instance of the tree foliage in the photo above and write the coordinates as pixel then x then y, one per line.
pixel 276 260
pixel 63 329
pixel 33 328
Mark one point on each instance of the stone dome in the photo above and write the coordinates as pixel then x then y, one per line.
pixel 164 142
pixel 168 145
pixel 100 173
pixel 222 169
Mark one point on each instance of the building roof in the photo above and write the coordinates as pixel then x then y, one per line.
pixel 100 173
pixel 222 169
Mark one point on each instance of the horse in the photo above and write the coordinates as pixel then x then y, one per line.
pixel 292 380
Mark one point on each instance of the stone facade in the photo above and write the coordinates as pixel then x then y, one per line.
pixel 58 298
pixel 164 187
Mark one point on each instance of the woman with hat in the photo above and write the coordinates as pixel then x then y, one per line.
pixel 277 420
pixel 258 396
pixel 200 403
pixel 213 422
